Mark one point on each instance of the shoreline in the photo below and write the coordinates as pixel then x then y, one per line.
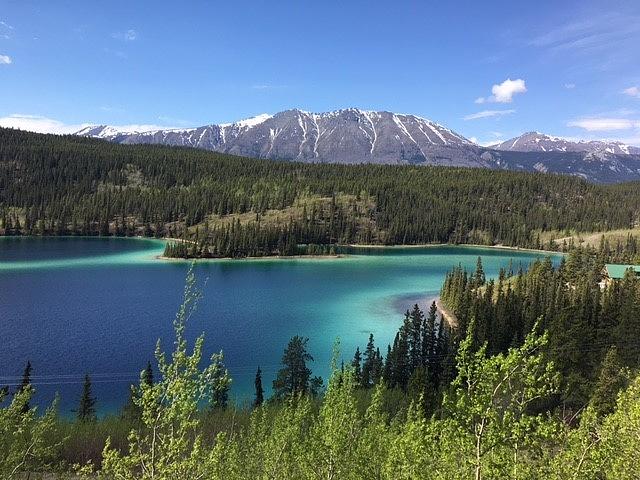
pixel 294 257
pixel 447 315
pixel 463 245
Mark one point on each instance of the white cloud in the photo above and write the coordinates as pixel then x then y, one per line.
pixel 504 92
pixel 128 36
pixel 604 124
pixel 489 114
pixel 569 86
pixel 632 92
pixel 5 60
pixel 37 123
pixel 40 124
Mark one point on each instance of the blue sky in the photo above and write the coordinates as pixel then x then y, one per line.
pixel 489 70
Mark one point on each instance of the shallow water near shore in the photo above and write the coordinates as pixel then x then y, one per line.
pixel 93 305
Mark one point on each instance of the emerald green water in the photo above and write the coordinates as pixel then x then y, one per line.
pixel 90 305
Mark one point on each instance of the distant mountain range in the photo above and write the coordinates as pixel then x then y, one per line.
pixel 361 136
pixel 539 142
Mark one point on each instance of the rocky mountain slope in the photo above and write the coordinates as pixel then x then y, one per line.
pixel 540 142
pixel 362 136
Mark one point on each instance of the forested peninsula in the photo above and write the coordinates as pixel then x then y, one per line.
pixel 225 206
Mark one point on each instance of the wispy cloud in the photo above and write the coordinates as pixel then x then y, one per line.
pixel 569 86
pixel 128 36
pixel 504 92
pixel 489 114
pixel 598 32
pixel 604 124
pixel 6 30
pixel 602 40
pixel 632 92
pixel 37 123
pixel 5 60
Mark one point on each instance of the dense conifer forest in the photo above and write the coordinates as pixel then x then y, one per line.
pixel 231 206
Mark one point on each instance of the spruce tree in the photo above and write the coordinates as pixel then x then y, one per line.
pixel 356 364
pixel 293 377
pixel 259 398
pixel 87 408
pixel 147 375
pixel 26 384
pixel 366 378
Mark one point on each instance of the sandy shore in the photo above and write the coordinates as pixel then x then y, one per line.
pixel 447 314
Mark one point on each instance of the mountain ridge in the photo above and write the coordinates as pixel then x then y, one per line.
pixel 354 135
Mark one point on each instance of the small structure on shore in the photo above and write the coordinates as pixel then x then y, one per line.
pixel 613 272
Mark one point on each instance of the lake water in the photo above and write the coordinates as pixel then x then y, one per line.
pixel 92 305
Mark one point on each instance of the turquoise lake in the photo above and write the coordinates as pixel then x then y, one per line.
pixel 96 305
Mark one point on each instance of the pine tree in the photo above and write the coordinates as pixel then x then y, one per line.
pixel 259 399
pixel 87 408
pixel 147 376
pixel 366 378
pixel 479 277
pixel 294 377
pixel 356 364
pixel 25 384
pixel 414 337
pixel 429 339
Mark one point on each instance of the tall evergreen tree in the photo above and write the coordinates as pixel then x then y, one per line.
pixel 87 407
pixel 259 396
pixel 356 364
pixel 26 384
pixel 147 376
pixel 293 377
pixel 366 379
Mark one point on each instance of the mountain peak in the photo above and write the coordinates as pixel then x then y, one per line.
pixel 542 142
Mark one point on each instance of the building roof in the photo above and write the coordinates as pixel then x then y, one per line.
pixel 618 271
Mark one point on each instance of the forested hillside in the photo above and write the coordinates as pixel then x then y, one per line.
pixel 232 206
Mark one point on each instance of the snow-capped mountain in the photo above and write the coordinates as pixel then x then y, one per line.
pixel 363 136
pixel 540 142
pixel 342 136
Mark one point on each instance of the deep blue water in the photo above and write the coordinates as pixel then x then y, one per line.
pixel 87 305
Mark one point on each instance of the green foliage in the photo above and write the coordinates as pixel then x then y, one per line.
pixel 168 443
pixel 25 437
pixel 491 404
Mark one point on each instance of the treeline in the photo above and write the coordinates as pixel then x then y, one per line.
pixel 52 185
pixel 494 416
